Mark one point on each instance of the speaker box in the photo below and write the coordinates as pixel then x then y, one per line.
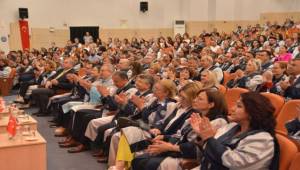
pixel 23 13
pixel 144 6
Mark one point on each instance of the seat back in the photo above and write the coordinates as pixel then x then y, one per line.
pixel 232 95
pixel 289 111
pixel 276 100
pixel 226 76
pixel 295 165
pixel 222 89
pixel 13 73
pixel 288 151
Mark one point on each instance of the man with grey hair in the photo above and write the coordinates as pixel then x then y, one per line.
pixel 207 63
pixel 124 65
pixel 54 84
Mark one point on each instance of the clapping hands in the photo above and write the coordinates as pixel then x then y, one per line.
pixel 138 101
pixel 103 91
pixel 202 126
pixel 121 99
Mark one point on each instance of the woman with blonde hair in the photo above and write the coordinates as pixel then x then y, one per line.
pixel 209 80
pixel 148 116
pixel 130 144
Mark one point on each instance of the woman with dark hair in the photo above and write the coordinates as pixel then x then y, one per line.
pixel 184 77
pixel 248 142
pixel 262 39
pixel 256 46
pixel 169 150
pixel 283 54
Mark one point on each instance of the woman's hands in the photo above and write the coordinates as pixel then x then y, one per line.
pixel 138 101
pixel 202 126
pixel 155 132
pixel 160 146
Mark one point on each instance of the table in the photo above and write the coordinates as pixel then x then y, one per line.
pixel 20 154
pixel 5 112
pixel 23 121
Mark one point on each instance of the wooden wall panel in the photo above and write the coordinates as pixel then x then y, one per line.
pixel 14 37
pixel 42 37
pixel 139 33
pixel 279 17
pixel 197 27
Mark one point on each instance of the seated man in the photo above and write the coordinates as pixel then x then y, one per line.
pixel 55 83
pixel 291 87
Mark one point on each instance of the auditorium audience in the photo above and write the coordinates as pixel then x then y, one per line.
pixel 160 104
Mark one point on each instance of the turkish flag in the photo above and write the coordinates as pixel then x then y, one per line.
pixel 11 126
pixel 24 30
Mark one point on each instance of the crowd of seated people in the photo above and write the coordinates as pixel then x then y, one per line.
pixel 148 104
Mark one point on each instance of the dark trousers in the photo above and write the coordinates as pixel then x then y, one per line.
pixel 99 141
pixel 25 77
pixel 146 162
pixel 55 109
pixel 80 123
pixel 24 87
pixel 41 97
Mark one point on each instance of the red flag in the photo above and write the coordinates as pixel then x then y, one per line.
pixel 24 30
pixel 12 125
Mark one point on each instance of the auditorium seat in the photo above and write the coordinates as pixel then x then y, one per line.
pixel 288 151
pixel 276 100
pixel 295 165
pixel 228 77
pixel 222 89
pixel 289 111
pixel 188 163
pixel 232 95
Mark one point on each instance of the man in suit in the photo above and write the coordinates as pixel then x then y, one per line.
pixel 292 87
pixel 55 83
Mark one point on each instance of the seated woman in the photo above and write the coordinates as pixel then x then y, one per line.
pixel 5 69
pixel 250 79
pixel 283 54
pixel 209 80
pixel 184 77
pixel 167 151
pixel 248 142
pixel 25 71
pixel 151 115
pixel 139 141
